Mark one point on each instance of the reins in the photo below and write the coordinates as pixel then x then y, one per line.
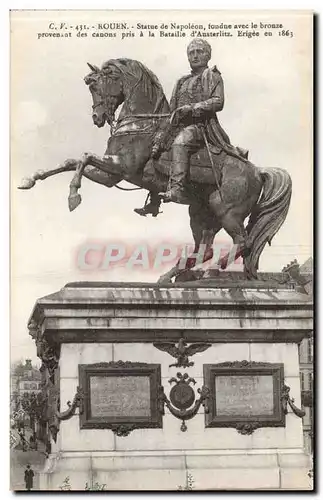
pixel 147 115
pixel 127 189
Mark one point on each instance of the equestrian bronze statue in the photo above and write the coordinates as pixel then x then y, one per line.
pixel 180 153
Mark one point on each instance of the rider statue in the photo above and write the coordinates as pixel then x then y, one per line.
pixel 195 101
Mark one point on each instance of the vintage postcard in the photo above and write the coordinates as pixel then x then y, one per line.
pixel 161 250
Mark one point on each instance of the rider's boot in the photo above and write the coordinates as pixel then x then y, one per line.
pixel 151 207
pixel 176 191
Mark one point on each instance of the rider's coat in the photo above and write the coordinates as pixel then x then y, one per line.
pixel 205 93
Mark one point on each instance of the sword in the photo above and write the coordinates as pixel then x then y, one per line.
pixel 211 160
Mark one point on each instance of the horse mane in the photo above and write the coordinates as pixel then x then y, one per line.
pixel 135 74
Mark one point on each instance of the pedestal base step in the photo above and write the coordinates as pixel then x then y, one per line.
pixel 176 471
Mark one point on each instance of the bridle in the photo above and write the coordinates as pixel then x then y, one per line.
pixel 103 93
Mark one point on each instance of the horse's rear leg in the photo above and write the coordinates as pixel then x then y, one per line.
pixel 202 252
pixel 204 227
pixel 233 224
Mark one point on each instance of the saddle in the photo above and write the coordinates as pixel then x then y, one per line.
pixel 201 169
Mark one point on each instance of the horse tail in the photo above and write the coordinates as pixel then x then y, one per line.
pixel 268 215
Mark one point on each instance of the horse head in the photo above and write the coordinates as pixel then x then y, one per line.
pixel 124 81
pixel 106 87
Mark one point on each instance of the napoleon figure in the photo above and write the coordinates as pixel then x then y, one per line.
pixel 195 102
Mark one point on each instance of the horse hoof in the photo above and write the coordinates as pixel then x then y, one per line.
pixel 164 280
pixel 74 201
pixel 39 174
pixel 27 183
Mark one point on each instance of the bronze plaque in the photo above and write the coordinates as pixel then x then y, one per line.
pixel 120 396
pixel 244 395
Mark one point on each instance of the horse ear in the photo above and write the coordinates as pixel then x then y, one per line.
pixel 93 68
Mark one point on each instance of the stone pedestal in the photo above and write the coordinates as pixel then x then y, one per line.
pixel 87 323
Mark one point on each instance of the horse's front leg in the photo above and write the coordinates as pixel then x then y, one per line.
pixel 74 198
pixel 109 164
pixel 29 182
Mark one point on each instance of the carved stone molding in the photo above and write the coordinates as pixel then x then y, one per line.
pixel 182 397
pixel 48 352
pixel 122 430
pixel 247 429
pixel 287 400
pixel 53 403
pixel 118 364
pixel 244 428
pixel 244 364
pixel 182 351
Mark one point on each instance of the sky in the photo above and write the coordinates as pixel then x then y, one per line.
pixel 267 110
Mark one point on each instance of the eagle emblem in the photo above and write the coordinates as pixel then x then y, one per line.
pixel 182 351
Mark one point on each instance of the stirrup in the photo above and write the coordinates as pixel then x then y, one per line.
pixel 171 196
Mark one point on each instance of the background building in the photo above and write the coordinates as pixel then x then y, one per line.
pixel 25 379
pixel 306 358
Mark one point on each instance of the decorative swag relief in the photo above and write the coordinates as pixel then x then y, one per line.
pixel 123 396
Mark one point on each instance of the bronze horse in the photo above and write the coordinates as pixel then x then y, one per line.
pixel 261 194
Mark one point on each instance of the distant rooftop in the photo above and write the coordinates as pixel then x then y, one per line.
pixel 307 267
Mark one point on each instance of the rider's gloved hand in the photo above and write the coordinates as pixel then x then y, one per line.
pixel 183 112
pixel 198 110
